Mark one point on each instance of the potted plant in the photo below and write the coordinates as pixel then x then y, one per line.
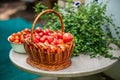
pixel 90 26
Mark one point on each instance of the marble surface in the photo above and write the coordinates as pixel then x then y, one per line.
pixel 82 65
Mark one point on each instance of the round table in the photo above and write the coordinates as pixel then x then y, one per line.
pixel 81 66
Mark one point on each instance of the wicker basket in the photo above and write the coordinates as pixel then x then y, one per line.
pixel 48 57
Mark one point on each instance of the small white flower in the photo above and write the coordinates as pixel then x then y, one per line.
pixel 77 3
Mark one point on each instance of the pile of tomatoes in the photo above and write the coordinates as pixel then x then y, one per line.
pixel 48 36
pixel 19 36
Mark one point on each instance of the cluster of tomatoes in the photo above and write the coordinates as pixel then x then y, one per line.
pixel 19 36
pixel 46 36
pixel 50 37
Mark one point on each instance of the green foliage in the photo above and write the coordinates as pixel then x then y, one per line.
pixel 39 7
pixel 85 24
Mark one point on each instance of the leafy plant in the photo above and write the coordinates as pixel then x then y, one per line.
pixel 86 23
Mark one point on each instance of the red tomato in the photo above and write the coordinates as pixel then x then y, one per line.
pixel 50 39
pixel 35 40
pixel 13 34
pixel 17 37
pixel 36 34
pixel 16 41
pixel 55 41
pixel 60 35
pixel 38 30
pixel 23 32
pixel 67 37
pixel 26 30
pixel 46 32
pixel 11 38
pixel 21 36
pixel 42 39
pixel 41 34
pixel 55 35
pixel 37 37
pixel 19 33
pixel 21 39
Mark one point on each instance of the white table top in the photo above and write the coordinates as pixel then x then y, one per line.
pixel 81 65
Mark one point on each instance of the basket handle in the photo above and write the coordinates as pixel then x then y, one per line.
pixel 43 12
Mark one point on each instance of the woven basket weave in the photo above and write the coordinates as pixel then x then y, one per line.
pixel 48 57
